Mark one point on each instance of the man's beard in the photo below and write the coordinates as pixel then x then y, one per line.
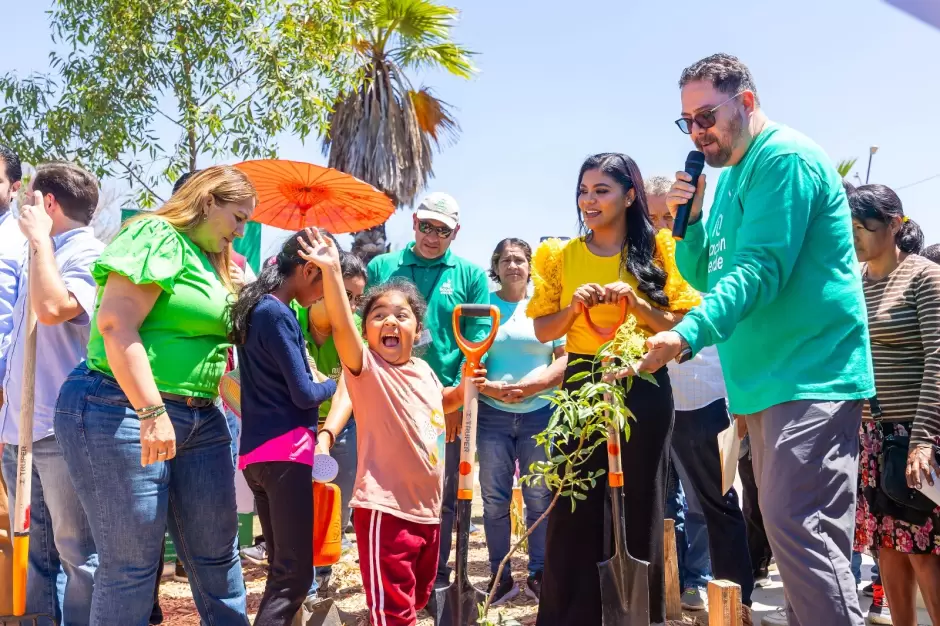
pixel 4 207
pixel 725 142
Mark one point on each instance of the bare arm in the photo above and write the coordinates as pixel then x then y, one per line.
pixel 48 294
pixel 338 417
pixel 124 307
pixel 555 325
pixel 322 252
pixel 655 319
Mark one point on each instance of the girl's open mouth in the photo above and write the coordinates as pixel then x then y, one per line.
pixel 390 341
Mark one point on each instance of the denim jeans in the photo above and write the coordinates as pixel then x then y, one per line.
pixel 502 439
pixel 62 556
pixel 128 506
pixel 344 452
pixel 691 534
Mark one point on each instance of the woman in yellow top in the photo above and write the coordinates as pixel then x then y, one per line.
pixel 618 257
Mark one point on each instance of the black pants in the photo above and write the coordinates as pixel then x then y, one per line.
pixel 758 546
pixel 283 493
pixel 571 593
pixel 698 462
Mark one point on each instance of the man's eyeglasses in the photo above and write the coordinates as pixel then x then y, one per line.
pixel 442 231
pixel 705 119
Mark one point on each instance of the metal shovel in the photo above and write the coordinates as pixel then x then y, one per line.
pixel 625 596
pixel 458 603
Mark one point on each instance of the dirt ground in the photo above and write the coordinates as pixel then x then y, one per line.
pixel 346 588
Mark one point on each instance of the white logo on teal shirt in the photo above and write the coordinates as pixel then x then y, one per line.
pixel 715 258
pixel 447 289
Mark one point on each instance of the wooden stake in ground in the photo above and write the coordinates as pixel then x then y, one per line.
pixel 673 592
pixel 724 603
pixel 24 462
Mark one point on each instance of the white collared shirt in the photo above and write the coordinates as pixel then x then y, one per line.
pixel 699 381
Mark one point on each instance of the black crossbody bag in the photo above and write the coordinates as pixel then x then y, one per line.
pixel 895 498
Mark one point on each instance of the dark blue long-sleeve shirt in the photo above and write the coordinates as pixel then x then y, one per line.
pixel 278 392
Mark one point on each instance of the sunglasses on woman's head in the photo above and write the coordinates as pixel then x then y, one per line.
pixel 442 231
pixel 705 119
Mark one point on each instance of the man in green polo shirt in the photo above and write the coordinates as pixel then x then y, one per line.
pixel 445 280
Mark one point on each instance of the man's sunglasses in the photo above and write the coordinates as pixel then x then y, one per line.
pixel 442 231
pixel 705 119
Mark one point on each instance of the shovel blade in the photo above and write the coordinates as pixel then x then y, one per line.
pixel 625 594
pixel 318 613
pixel 456 605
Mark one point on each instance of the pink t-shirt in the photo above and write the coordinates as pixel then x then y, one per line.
pixel 399 420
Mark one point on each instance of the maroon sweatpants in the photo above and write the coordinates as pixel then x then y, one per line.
pixel 398 562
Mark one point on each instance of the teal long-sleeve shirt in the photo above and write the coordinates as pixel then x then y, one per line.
pixel 784 297
pixel 444 282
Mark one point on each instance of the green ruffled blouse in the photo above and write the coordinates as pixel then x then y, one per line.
pixel 185 332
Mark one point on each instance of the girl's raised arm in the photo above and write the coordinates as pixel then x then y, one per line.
pixel 322 252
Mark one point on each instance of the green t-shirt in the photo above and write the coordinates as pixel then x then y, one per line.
pixel 785 302
pixel 444 282
pixel 185 332
pixel 326 357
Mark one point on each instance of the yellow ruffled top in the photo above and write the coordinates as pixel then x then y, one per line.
pixel 560 267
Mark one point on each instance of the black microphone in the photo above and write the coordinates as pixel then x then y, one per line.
pixel 694 164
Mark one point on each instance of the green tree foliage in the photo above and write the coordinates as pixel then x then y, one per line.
pixel 224 76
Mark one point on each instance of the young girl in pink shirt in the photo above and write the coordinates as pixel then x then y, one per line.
pixel 399 405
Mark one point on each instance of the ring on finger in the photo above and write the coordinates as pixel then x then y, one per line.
pixel 161 453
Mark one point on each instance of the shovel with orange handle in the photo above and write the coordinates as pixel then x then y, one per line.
pixel 24 474
pixel 625 596
pixel 457 604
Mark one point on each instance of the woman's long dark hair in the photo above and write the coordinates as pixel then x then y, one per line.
pixel 880 203
pixel 639 245
pixel 272 276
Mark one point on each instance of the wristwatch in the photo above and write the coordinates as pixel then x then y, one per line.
pixel 685 353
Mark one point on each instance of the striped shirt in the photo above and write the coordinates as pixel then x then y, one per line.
pixel 904 323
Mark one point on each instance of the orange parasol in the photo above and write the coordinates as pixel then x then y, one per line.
pixel 293 195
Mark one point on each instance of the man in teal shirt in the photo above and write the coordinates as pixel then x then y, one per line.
pixel 445 280
pixel 784 303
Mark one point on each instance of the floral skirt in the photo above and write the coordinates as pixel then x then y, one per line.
pixel 874 528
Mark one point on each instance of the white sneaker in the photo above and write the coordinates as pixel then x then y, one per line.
pixel 693 599
pixel 257 554
pixel 777 618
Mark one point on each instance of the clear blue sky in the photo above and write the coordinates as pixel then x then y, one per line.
pixel 560 80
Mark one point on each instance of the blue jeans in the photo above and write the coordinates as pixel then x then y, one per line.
pixel 128 506
pixel 62 556
pixel 344 452
pixel 691 534
pixel 502 439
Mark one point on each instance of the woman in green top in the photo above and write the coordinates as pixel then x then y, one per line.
pixel 139 423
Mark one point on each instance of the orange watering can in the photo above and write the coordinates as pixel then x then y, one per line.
pixel 327 524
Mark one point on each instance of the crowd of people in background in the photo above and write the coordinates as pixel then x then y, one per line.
pixel 800 309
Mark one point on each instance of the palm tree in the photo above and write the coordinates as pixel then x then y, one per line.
pixel 845 166
pixel 382 132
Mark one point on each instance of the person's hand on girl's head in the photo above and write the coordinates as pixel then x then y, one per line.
pixel 615 292
pixel 318 249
